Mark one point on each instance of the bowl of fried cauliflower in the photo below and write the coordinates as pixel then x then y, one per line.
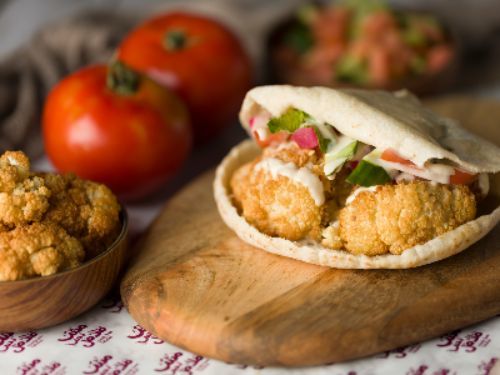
pixel 62 244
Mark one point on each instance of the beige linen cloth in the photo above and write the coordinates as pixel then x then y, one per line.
pixel 28 74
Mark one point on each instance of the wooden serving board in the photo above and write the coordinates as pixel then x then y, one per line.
pixel 196 285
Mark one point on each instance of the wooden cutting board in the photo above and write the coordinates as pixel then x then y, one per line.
pixel 196 285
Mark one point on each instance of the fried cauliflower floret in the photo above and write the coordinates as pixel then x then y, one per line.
pixel 14 168
pixel 331 237
pixel 276 206
pixel 86 210
pixel 290 152
pixel 23 198
pixel 39 249
pixel 357 227
pixel 397 217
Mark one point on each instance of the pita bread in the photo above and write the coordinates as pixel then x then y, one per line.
pixel 384 120
pixel 436 249
pixel 381 119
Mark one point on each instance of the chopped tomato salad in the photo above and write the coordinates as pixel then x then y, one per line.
pixel 364 42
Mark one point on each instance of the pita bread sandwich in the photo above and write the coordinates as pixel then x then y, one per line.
pixel 356 179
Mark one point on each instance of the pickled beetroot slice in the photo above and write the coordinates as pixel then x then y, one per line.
pixel 305 138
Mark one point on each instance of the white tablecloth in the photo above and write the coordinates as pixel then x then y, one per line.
pixel 107 341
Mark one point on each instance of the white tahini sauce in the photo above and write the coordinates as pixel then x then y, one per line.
pixel 259 126
pixel 484 184
pixel 434 172
pixel 262 133
pixel 359 190
pixel 303 176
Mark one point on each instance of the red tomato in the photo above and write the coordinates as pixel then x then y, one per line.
pixel 392 156
pixel 462 178
pixel 380 66
pixel 439 57
pixel 278 137
pixel 199 59
pixel 458 178
pixel 132 141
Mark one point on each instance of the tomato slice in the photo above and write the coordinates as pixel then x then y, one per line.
pixel 392 156
pixel 462 178
pixel 272 138
pixel 458 178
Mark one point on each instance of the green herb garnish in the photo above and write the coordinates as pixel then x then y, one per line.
pixel 289 121
pixel 360 9
pixel 418 64
pixel 299 38
pixel 351 69
pixel 414 37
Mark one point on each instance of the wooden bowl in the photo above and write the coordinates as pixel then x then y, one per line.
pixel 46 301
pixel 284 71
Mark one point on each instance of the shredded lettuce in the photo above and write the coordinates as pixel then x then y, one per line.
pixel 348 151
pixel 336 158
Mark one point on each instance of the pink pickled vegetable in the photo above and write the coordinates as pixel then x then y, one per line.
pixel 306 138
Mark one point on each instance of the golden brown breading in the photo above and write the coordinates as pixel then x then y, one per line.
pixel 357 226
pixel 37 249
pixel 14 168
pixel 276 206
pixel 281 207
pixel 86 210
pixel 36 239
pixel 336 190
pixel 331 237
pixel 397 217
pixel 23 198
pixel 290 152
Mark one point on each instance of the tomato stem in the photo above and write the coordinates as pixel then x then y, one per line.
pixel 175 40
pixel 121 79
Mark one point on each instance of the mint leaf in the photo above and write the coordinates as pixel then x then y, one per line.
pixel 288 121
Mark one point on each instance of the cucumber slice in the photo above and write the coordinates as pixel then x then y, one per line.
pixel 367 174
pixel 334 160
pixel 348 151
